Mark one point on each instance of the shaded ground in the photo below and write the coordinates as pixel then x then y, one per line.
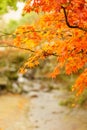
pixel 39 110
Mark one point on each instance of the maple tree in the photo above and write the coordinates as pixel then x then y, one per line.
pixel 60 31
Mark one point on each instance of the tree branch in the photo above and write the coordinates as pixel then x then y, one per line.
pixel 26 49
pixel 18 47
pixel 68 24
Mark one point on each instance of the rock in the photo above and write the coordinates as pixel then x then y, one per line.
pixel 26 88
pixel 36 87
pixel 33 94
pixel 15 88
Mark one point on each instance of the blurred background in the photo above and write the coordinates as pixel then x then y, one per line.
pixel 12 59
pixel 34 82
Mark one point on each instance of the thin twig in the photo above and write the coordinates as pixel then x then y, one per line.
pixel 27 49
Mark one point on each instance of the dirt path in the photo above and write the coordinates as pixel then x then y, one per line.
pixel 39 111
pixel 46 113
pixel 13 110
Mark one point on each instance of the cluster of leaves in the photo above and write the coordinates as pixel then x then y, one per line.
pixel 62 32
